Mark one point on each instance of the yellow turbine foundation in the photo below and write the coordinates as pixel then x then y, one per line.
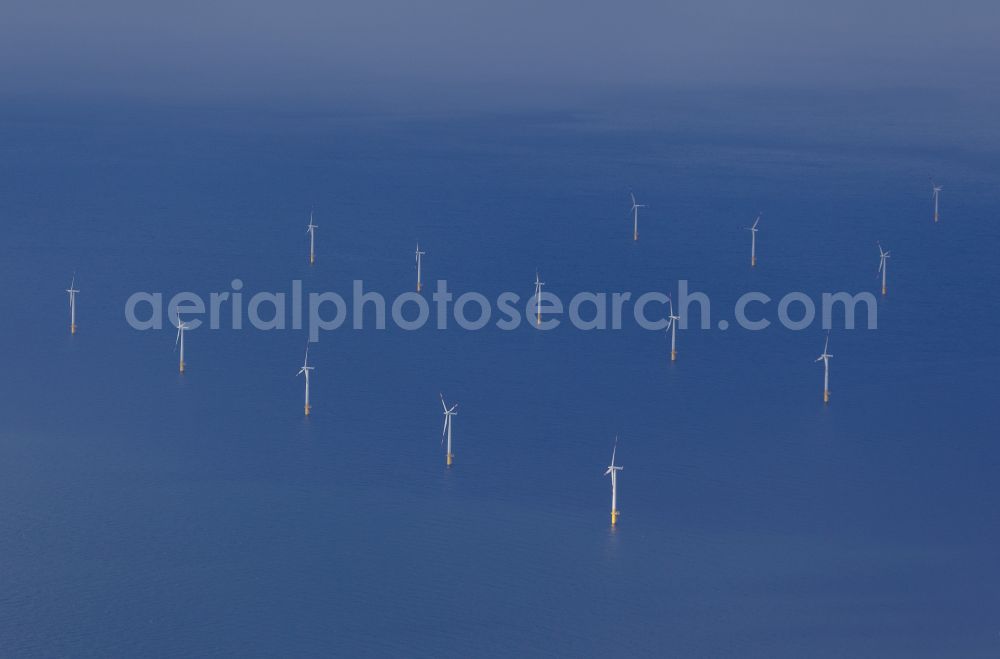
pixel 182 367
pixel 312 259
pixel 753 261
pixel 826 395
pixel 450 459
pixel 614 517
pixel 72 328
pixel 538 320
pixel 883 290
pixel 418 286
pixel 673 355
pixel 307 407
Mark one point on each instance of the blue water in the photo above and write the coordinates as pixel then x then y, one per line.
pixel 144 513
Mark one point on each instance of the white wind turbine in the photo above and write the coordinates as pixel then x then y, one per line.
pixel 418 255
pixel 446 430
pixel 882 264
pixel 311 230
pixel 937 193
pixel 753 240
pixel 825 357
pixel 538 299
pixel 72 304
pixel 672 328
pixel 305 371
pixel 635 217
pixel 613 470
pixel 181 326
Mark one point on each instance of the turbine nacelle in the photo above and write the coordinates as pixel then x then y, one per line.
pixel 305 365
pixel 612 467
pixel 181 326
pixel 448 411
pixel 825 356
pixel 883 255
pixel 671 315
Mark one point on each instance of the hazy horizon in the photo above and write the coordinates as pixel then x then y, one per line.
pixel 392 52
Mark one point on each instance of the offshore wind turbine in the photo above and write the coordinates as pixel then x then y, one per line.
pixel 826 370
pixel 72 304
pixel 613 470
pixel 538 299
pixel 305 371
pixel 418 255
pixel 446 430
pixel 882 264
pixel 311 230
pixel 753 240
pixel 672 328
pixel 936 194
pixel 635 217
pixel 181 326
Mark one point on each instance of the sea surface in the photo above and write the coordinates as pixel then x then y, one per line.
pixel 148 513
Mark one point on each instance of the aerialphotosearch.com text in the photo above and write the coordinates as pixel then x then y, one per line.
pixel 327 311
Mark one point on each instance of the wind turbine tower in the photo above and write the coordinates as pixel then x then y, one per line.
pixel 883 264
pixel 305 371
pixel 635 217
pixel 446 430
pixel 753 241
pixel 418 257
pixel 72 290
pixel 311 230
pixel 613 470
pixel 825 357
